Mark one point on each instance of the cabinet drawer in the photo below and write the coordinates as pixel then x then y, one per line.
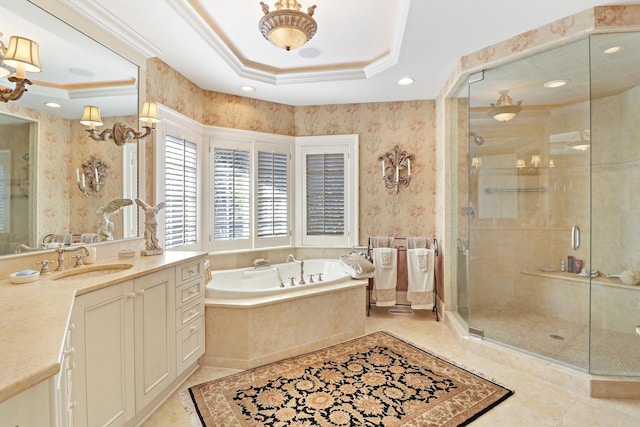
pixel 189 312
pixel 190 341
pixel 189 271
pixel 189 293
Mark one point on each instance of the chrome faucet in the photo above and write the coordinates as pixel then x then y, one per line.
pixel 290 257
pixel 62 250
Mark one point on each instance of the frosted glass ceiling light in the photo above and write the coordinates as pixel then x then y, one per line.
pixel 287 27
pixel 504 109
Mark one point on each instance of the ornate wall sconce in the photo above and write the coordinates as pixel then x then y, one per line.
pixel 20 56
pixel 94 172
pixel 396 168
pixel 121 133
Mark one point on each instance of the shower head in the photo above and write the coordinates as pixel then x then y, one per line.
pixel 479 140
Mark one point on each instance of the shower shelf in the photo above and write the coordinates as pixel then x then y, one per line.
pixel 603 281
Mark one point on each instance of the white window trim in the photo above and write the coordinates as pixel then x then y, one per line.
pixel 180 126
pixel 326 144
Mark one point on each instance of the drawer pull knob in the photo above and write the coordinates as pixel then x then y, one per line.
pixel 72 327
pixel 70 351
pixel 192 312
pixel 72 404
pixel 131 295
pixel 140 292
pixel 193 328
pixel 191 271
pixel 192 291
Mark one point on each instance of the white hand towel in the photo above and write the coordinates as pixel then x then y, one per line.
pixel 385 278
pixel 420 275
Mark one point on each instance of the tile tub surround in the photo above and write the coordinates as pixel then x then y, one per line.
pixel 34 318
pixel 250 333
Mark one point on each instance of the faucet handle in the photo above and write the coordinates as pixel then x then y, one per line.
pixel 45 266
pixel 79 260
pixel 319 277
pixel 311 278
pixel 292 281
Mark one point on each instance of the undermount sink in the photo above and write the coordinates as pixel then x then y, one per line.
pixel 92 271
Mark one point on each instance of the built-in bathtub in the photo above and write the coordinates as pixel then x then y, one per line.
pixel 244 283
pixel 251 320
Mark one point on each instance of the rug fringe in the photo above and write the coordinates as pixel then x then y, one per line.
pixel 446 359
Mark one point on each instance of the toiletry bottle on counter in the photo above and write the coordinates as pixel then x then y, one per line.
pixel 562 265
pixel 570 264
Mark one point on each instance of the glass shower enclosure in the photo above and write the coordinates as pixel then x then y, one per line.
pixel 548 215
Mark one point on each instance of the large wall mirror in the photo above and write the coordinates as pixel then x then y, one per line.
pixel 43 147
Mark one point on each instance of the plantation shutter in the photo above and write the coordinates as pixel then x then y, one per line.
pixel 180 192
pixel 231 194
pixel 272 199
pixel 325 194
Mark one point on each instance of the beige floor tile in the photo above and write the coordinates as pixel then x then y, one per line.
pixel 535 402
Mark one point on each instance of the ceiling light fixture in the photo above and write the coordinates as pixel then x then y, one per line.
pixel 552 84
pixel 247 88
pixel 287 27
pixel 504 109
pixel 19 57
pixel 52 104
pixel 405 81
pixel 121 133
pixel 612 49
pixel 581 141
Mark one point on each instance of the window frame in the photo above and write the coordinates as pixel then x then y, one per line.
pixel 327 144
pixel 181 127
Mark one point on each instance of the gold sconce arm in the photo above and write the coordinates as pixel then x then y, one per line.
pixel 120 134
pixel 396 168
pixel 16 93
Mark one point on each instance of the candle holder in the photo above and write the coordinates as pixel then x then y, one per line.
pixel 396 168
pixel 91 180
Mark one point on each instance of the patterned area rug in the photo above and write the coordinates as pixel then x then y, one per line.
pixel 375 380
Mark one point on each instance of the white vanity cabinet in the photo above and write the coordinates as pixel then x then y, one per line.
pixel 125 347
pixel 189 314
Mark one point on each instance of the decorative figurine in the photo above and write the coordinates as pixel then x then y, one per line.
pixel 105 226
pixel 152 247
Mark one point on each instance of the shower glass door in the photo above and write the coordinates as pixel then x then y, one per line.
pixel 529 204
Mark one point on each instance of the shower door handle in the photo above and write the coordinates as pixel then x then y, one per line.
pixel 575 237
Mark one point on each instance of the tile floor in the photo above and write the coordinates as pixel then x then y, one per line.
pixel 535 403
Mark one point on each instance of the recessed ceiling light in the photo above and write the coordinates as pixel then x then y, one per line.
pixel 405 81
pixel 556 83
pixel 247 88
pixel 53 105
pixel 612 49
pixel 310 52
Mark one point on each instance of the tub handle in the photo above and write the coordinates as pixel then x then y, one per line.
pixel 292 281
pixel 319 277
pixel 575 237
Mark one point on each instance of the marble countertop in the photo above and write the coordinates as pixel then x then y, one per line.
pixel 34 317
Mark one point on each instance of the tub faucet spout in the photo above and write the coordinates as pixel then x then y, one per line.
pixel 290 257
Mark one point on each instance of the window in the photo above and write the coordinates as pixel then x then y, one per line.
pixel 181 191
pixel 327 170
pixel 178 171
pixel 250 190
pixel 273 188
pixel 231 195
pixel 325 194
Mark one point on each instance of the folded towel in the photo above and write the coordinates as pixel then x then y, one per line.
pixel 384 284
pixel 381 242
pixel 416 242
pixel 358 266
pixel 89 238
pixel 420 277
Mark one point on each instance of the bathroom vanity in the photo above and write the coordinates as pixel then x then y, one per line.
pixel 102 344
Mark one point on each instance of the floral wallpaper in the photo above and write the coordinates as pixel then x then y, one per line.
pixel 381 126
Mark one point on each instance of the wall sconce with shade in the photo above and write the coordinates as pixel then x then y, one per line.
pixel 21 56
pixel 504 109
pixel 91 180
pixel 121 133
pixel 396 168
pixel 286 26
pixel 476 163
